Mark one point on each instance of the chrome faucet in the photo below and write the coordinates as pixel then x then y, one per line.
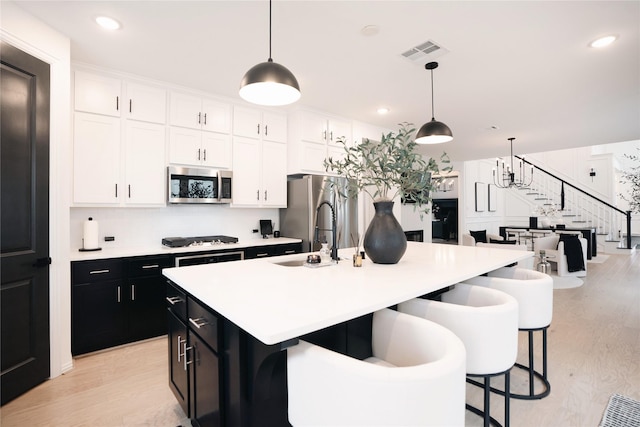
pixel 334 240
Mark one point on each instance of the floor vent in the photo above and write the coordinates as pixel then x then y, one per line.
pixel 424 52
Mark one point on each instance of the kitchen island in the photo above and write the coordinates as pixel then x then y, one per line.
pixel 261 307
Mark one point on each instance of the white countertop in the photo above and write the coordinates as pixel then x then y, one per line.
pixel 159 249
pixel 275 303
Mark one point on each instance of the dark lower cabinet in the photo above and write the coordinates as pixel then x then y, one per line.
pixel 272 250
pixel 194 367
pixel 178 378
pixel 98 316
pixel 117 301
pixel 205 383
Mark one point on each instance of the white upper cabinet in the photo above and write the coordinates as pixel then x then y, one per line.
pixel 258 124
pixel 200 131
pixel 96 159
pixel 145 164
pixel 199 113
pixel 146 103
pixel 119 142
pixel 259 158
pixel 313 138
pixel 95 93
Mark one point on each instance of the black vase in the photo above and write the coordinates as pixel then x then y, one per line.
pixel 384 241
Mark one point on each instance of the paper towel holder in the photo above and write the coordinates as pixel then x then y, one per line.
pixel 88 250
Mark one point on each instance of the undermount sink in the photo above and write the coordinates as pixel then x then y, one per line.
pixel 292 263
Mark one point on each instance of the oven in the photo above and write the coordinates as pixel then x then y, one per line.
pixel 209 258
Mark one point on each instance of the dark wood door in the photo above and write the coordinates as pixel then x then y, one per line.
pixel 24 238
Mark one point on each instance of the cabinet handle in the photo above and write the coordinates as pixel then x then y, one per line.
pixel 119 299
pixel 204 157
pixel 130 102
pixel 258 195
pixel 258 128
pixel 195 322
pixel 265 195
pixel 116 190
pixel 173 300
pixel 181 341
pixel 205 118
pixel 186 356
pixel 145 267
pixel 331 135
pixel 266 130
pixel 117 103
pixel 199 116
pixel 324 135
pixel 133 292
pixel 289 252
pixel 129 190
pixel 198 154
pixel 99 271
pixel 262 254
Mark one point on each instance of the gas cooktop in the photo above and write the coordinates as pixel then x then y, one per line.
pixel 181 242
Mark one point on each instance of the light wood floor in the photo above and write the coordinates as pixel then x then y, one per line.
pixel 594 351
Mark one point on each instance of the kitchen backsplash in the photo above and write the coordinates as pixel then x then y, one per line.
pixel 133 227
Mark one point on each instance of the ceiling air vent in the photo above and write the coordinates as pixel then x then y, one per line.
pixel 425 52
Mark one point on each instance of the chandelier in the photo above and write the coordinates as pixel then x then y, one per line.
pixel 505 175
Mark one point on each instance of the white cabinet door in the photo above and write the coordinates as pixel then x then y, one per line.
pixel 313 127
pixel 312 157
pixel 185 110
pixel 216 116
pixel 146 103
pixel 247 122
pixel 275 127
pixel 96 159
pixel 98 94
pixel 338 129
pixel 216 150
pixel 246 172
pixel 274 174
pixel 185 146
pixel 146 172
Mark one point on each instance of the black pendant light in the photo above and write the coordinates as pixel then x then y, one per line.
pixel 433 132
pixel 269 83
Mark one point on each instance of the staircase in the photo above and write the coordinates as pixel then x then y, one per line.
pixel 577 208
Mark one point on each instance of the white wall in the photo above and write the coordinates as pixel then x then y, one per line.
pixel 134 227
pixel 478 172
pixel 33 37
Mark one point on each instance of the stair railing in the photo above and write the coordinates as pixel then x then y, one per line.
pixel 591 199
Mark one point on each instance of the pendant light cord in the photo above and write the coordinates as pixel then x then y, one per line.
pixel 270 60
pixel 433 114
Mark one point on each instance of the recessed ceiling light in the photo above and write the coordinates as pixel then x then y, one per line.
pixel 383 110
pixel 603 41
pixel 370 30
pixel 107 23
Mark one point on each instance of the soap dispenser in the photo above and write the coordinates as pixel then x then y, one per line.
pixel 325 253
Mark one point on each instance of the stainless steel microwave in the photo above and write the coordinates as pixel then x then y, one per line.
pixel 195 185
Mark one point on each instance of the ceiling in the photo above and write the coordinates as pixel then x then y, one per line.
pixel 518 69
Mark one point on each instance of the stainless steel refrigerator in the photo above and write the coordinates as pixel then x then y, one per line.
pixel 304 194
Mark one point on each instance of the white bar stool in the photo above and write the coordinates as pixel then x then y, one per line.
pixel 534 292
pixel 415 377
pixel 486 321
